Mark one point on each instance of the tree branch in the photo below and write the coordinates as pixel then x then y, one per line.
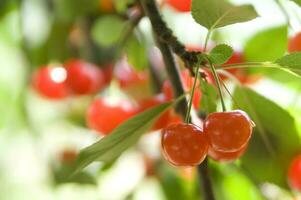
pixel 166 41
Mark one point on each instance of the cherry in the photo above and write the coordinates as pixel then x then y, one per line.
pixel 50 82
pixel 107 6
pixel 68 156
pixel 83 78
pixel 180 5
pixel 184 144
pixel 294 173
pixel 226 156
pixel 104 115
pixel 188 84
pixel 154 101
pixel 228 131
pixel 294 43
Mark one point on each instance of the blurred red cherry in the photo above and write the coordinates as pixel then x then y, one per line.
pixel 84 78
pixel 104 115
pixel 187 84
pixel 49 82
pixel 294 43
pixel 294 173
pixel 180 5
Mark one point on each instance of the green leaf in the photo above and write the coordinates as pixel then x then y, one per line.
pixel 218 13
pixel 274 38
pixel 136 53
pixel 125 135
pixel 292 61
pixel 209 97
pixel 220 54
pixel 122 5
pixel 107 30
pixel 275 140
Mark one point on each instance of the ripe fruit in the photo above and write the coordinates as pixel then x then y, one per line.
pixel 294 173
pixel 180 5
pixel 294 43
pixel 226 156
pixel 228 131
pixel 187 84
pixel 50 82
pixel 184 144
pixel 104 115
pixel 83 78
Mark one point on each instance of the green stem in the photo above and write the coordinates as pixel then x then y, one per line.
pixel 207 39
pixel 187 118
pixel 218 85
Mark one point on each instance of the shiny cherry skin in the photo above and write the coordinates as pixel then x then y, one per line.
pixel 49 82
pixel 184 144
pixel 180 5
pixel 294 173
pixel 228 131
pixel 187 84
pixel 104 115
pixel 154 101
pixel 83 78
pixel 294 43
pixel 226 156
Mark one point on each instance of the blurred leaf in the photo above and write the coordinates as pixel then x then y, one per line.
pixel 227 178
pixel 107 30
pixel 209 97
pixel 122 5
pixel 292 61
pixel 218 13
pixel 275 139
pixel 69 10
pixel 124 136
pixel 220 54
pixel 275 39
pixel 61 176
pixel 298 2
pixel 136 53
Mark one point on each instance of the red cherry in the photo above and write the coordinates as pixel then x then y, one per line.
pixel 184 144
pixel 154 101
pixel 294 173
pixel 180 5
pixel 104 116
pixel 83 78
pixel 50 82
pixel 68 156
pixel 294 43
pixel 228 131
pixel 226 156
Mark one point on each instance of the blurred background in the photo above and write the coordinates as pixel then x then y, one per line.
pixel 37 134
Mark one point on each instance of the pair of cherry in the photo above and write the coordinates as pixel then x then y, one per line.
pixel 224 137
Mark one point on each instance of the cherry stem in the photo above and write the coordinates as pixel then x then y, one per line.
pixel 219 87
pixel 207 39
pixel 187 118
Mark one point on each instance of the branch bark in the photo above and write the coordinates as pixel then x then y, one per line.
pixel 167 41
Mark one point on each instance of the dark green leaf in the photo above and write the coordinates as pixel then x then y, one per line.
pixel 218 13
pixel 267 45
pixel 108 30
pixel 209 97
pixel 275 139
pixel 220 54
pixel 136 53
pixel 127 134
